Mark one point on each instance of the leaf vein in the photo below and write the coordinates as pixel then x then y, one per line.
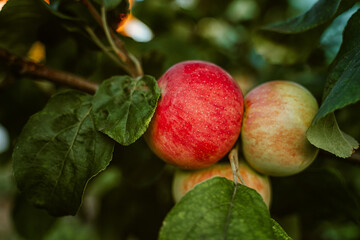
pixel 68 151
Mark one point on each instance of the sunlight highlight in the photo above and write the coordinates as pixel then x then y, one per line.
pixel 131 26
pixel 2 3
pixel 37 52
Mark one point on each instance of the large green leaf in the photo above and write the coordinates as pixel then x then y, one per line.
pixel 342 89
pixel 218 209
pixel 57 153
pixel 293 40
pixel 123 107
pixel 19 24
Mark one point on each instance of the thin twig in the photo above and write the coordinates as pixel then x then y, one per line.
pixel 108 35
pixel 132 64
pixel 98 42
pixel 24 67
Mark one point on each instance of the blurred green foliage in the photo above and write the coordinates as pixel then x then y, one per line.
pixel 131 199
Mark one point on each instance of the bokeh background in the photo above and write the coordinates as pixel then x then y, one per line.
pixel 131 198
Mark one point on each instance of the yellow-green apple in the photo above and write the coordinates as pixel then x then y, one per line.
pixel 277 115
pixel 185 180
pixel 198 117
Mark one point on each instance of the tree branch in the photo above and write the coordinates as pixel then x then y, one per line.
pixel 24 67
pixel 132 65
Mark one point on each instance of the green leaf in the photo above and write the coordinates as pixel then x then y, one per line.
pixel 20 21
pixel 292 41
pixel 332 37
pixel 346 90
pixel 326 134
pixel 279 233
pixel 217 209
pixel 57 153
pixel 342 89
pixel 123 107
pixel 320 13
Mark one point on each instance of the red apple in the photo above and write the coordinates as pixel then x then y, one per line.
pixel 198 117
pixel 277 116
pixel 186 180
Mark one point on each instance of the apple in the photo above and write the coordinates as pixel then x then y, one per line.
pixel 185 180
pixel 277 116
pixel 198 117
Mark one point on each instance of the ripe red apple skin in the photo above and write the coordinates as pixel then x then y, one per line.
pixel 198 117
pixel 186 180
pixel 277 116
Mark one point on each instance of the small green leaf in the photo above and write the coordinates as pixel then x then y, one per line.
pixel 326 134
pixel 342 88
pixel 57 153
pixel 293 40
pixel 217 209
pixel 123 107
pixel 279 233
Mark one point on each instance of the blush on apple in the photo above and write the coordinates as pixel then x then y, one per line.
pixel 186 180
pixel 277 116
pixel 198 117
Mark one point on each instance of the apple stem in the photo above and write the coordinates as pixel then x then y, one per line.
pixel 234 162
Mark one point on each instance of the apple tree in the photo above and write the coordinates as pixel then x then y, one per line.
pixel 81 83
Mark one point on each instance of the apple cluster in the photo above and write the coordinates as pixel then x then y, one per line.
pixel 202 112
